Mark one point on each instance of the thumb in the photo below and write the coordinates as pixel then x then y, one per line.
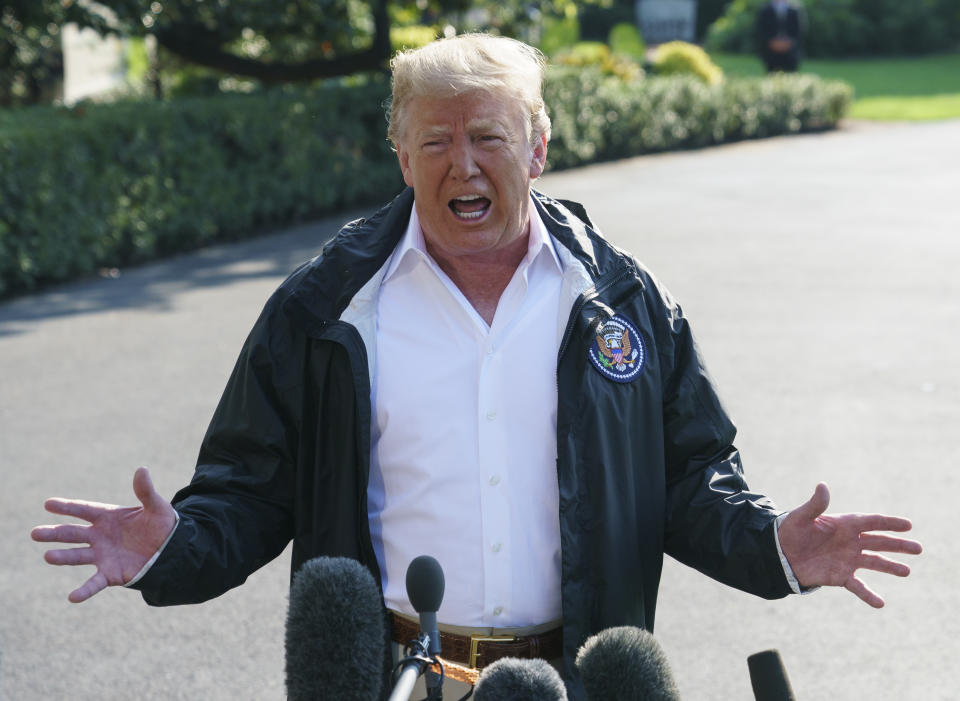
pixel 816 505
pixel 144 490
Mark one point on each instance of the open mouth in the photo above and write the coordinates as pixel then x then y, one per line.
pixel 469 207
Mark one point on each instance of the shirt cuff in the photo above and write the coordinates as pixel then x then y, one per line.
pixel 787 569
pixel 146 568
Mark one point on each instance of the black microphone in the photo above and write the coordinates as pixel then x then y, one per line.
pixel 769 677
pixel 625 664
pixel 335 632
pixel 512 679
pixel 425 585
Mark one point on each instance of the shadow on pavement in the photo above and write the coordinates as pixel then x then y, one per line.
pixel 151 285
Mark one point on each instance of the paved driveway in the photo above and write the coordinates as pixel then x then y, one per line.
pixel 820 273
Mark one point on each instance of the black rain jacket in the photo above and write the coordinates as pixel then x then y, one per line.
pixel 645 467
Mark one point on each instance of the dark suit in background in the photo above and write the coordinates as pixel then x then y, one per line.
pixel 779 35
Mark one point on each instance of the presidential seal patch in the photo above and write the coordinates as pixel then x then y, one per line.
pixel 617 350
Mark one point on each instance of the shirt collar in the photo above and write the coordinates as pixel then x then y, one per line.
pixel 413 247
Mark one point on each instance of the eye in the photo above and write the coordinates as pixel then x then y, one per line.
pixel 490 140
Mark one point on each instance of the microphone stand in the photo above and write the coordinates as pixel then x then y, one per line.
pixel 416 661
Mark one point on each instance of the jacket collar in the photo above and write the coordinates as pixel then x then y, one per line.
pixel 342 282
pixel 319 291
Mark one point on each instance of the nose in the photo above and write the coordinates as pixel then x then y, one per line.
pixel 463 165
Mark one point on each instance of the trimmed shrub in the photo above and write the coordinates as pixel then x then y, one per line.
pixel 625 40
pixel 596 54
pixel 681 58
pixel 111 185
pixel 596 117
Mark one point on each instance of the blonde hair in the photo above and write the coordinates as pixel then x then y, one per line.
pixel 470 63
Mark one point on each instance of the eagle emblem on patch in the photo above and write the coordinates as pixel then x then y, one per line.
pixel 617 350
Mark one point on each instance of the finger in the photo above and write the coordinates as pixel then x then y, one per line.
pixel 816 505
pixel 64 533
pixel 144 490
pixel 87 510
pixel 864 592
pixel 879 522
pixel 889 544
pixel 70 556
pixel 96 584
pixel 879 563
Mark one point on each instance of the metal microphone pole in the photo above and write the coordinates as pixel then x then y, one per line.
pixel 413 666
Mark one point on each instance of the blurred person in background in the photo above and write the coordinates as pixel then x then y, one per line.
pixel 780 27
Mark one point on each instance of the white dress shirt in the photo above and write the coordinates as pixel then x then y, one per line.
pixel 463 454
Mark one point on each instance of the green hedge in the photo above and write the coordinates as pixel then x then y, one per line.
pixel 110 185
pixel 597 118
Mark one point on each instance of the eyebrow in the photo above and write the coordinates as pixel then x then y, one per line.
pixel 433 132
pixel 481 124
pixel 473 126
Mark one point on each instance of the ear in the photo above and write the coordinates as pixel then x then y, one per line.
pixel 538 157
pixel 403 156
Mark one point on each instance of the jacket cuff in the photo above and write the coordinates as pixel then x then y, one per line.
pixel 787 569
pixel 146 568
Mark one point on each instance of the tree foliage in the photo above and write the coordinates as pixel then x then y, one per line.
pixel 30 59
pixel 290 40
pixel 282 41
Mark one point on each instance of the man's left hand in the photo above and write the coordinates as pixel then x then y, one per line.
pixel 828 549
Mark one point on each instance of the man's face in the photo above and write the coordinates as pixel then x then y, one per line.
pixel 470 163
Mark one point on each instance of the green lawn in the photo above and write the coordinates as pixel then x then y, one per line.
pixel 908 88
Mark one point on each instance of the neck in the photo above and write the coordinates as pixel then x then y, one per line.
pixel 482 277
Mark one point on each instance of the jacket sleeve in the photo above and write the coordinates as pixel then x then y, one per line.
pixel 714 523
pixel 236 513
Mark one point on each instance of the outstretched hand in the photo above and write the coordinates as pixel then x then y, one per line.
pixel 828 549
pixel 120 539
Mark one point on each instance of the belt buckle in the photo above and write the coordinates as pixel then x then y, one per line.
pixel 475 641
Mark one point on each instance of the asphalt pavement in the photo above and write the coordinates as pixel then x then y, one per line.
pixel 820 273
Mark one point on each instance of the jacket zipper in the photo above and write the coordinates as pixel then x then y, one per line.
pixel 578 307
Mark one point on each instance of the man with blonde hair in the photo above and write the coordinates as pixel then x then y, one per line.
pixel 474 371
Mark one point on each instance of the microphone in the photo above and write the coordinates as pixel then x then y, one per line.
pixel 625 664
pixel 769 678
pixel 512 679
pixel 425 585
pixel 335 632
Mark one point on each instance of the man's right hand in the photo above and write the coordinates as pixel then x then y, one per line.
pixel 120 539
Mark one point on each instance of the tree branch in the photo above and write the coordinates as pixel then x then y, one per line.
pixel 196 46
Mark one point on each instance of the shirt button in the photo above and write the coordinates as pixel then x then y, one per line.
pixel 496 547
pixel 497 611
pixel 490 350
pixel 491 415
pixel 495 480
